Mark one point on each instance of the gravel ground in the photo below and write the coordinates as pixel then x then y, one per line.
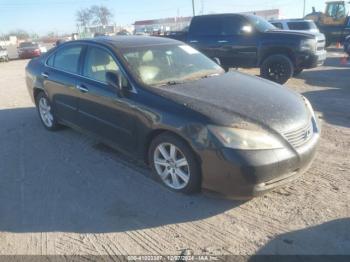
pixel 64 193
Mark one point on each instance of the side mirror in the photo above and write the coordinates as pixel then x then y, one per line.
pixel 114 81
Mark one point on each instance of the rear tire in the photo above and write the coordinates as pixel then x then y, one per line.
pixel 45 111
pixel 178 171
pixel 277 68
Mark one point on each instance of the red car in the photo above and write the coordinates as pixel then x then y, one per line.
pixel 28 50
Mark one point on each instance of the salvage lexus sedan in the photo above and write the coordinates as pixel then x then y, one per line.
pixel 164 102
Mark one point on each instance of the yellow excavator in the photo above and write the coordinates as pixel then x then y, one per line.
pixel 334 22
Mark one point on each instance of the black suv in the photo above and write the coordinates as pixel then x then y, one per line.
pixel 250 41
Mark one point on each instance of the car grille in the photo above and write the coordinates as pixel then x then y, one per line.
pixel 300 136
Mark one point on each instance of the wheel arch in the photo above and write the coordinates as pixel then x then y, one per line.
pixel 157 132
pixel 278 51
pixel 37 91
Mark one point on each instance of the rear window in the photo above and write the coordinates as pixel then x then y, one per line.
pixel 301 25
pixel 28 44
pixel 278 25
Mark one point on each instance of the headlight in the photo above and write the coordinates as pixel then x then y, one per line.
pixel 245 139
pixel 309 106
pixel 308 45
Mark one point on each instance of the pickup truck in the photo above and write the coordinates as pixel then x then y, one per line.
pixel 248 41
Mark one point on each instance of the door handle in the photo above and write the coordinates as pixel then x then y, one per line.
pixel 45 75
pixel 222 41
pixel 194 41
pixel 82 88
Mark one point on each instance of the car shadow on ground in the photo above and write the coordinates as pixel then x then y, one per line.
pixel 62 182
pixel 333 100
pixel 339 62
pixel 331 238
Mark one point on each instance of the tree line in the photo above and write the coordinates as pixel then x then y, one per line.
pixel 95 15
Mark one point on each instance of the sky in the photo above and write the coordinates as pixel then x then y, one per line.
pixel 59 16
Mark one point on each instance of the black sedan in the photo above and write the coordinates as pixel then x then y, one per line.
pixel 164 102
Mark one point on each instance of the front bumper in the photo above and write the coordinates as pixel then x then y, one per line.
pixel 27 55
pixel 250 173
pixel 311 60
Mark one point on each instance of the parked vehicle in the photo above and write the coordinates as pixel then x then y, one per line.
pixel 249 41
pixel 123 32
pixel 334 22
pixel 164 102
pixel 303 26
pixel 60 41
pixel 347 45
pixel 43 49
pixel 28 50
pixel 4 57
pixel 296 24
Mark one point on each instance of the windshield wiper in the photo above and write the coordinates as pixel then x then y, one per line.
pixel 171 83
pixel 211 75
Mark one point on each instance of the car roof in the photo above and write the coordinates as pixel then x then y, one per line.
pixel 290 20
pixel 226 14
pixel 133 41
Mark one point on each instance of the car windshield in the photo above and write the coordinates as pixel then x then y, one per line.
pixel 169 64
pixel 301 25
pixel 261 24
pixel 28 44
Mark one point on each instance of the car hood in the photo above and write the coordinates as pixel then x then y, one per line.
pixel 303 34
pixel 235 98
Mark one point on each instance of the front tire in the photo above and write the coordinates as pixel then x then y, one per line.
pixel 174 164
pixel 45 112
pixel 277 68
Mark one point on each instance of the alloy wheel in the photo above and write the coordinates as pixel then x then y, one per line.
pixel 172 166
pixel 277 71
pixel 45 112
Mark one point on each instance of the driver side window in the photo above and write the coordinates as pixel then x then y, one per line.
pixel 97 63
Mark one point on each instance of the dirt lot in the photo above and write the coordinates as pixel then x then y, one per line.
pixel 64 193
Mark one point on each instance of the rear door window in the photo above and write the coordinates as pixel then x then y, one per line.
pixel 232 25
pixel 207 26
pixel 97 63
pixel 67 59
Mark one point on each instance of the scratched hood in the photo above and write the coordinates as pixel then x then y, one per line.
pixel 235 97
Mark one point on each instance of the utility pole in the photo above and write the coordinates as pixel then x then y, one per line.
pixel 304 8
pixel 193 8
